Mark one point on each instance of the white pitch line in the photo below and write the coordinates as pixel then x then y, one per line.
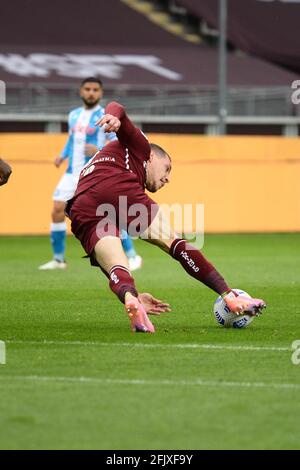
pixel 230 347
pixel 196 382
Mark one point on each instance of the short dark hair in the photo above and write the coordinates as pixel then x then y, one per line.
pixel 160 152
pixel 92 80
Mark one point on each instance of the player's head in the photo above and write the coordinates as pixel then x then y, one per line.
pixel 91 91
pixel 158 168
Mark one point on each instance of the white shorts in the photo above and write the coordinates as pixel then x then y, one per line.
pixel 66 187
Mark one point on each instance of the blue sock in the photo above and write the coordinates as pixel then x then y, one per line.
pixel 127 244
pixel 58 240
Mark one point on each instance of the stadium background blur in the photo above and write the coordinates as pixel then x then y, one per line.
pixel 160 59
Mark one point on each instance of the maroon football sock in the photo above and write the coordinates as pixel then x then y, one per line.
pixel 197 266
pixel 121 282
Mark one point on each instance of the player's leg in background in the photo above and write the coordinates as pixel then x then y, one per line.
pixel 134 260
pixel 58 231
pixel 58 228
pixel 113 261
pixel 194 263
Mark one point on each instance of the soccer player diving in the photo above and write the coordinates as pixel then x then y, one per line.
pixel 125 168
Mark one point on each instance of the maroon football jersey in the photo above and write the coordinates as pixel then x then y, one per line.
pixel 127 154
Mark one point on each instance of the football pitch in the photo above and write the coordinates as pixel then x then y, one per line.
pixel 77 378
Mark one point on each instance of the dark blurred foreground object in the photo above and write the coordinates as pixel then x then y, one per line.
pixel 5 172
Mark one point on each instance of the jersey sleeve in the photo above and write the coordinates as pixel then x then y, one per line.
pixel 66 150
pixel 128 135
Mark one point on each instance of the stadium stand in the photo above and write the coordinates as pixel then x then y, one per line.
pixel 116 40
pixel 156 72
pixel 267 29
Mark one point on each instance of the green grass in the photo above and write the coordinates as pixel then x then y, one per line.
pixel 141 391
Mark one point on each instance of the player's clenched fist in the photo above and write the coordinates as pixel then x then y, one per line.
pixel 5 172
pixel 111 123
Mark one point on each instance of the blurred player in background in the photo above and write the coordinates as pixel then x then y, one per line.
pixel 85 139
pixel 128 166
pixel 5 172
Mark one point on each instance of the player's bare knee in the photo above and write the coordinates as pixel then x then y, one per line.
pixel 164 245
pixel 58 214
pixel 109 252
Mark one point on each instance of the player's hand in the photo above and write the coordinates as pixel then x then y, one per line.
pixel 152 305
pixel 90 150
pixel 58 161
pixel 111 123
pixel 5 172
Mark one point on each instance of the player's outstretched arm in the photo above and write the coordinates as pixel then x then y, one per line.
pixel 5 172
pixel 111 123
pixel 116 120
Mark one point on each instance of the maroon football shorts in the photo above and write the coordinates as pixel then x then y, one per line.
pixel 109 205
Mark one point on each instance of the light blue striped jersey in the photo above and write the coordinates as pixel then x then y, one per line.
pixel 82 131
